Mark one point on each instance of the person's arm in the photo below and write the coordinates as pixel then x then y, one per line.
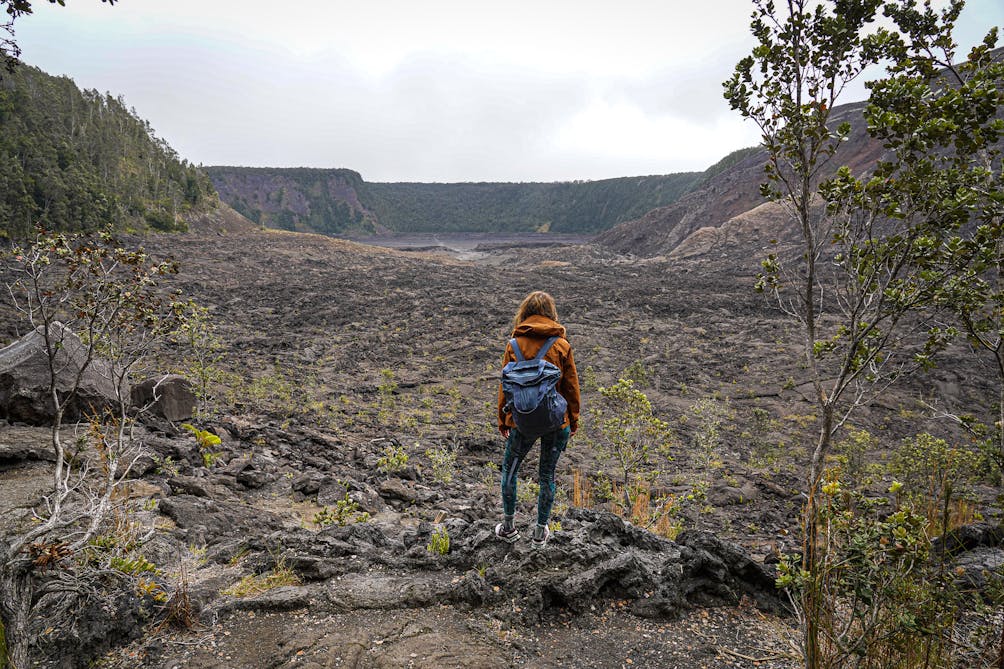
pixel 569 389
pixel 507 357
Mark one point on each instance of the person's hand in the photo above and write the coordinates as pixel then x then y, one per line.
pixel 504 431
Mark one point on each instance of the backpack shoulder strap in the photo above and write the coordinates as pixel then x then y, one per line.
pixel 545 348
pixel 516 350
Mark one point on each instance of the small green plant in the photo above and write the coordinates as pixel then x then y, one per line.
pixel 206 440
pixel 803 420
pixel 254 584
pixel 490 475
pixel 561 503
pixel 602 487
pixel 199 553
pixel 344 512
pixel 273 391
pixel 588 379
pixel 444 461
pixel 850 454
pixel 236 558
pixel 386 390
pixel 394 459
pixel 133 566
pixel 149 588
pixel 637 373
pixel 439 541
pixel 527 492
pixel 166 466
pixel 209 458
pixel 936 475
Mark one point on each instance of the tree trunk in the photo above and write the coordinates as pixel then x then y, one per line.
pixel 1000 427
pixel 15 612
pixel 812 561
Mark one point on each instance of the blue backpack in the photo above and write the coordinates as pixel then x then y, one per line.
pixel 531 393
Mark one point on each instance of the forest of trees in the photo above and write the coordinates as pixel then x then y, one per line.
pixel 80 160
pixel 338 201
pixel 571 207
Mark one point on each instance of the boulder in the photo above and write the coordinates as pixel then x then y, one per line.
pixel 25 377
pixel 726 495
pixel 170 397
pixel 979 569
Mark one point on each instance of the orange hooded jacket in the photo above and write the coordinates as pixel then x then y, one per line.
pixel 531 335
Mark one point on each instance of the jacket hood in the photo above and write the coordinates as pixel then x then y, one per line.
pixel 539 326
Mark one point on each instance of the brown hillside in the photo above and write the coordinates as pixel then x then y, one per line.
pixel 727 212
pixel 221 220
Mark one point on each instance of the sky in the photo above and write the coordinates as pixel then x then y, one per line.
pixel 430 90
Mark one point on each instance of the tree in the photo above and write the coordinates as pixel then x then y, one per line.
pixel 629 431
pixel 97 307
pixel 9 50
pixel 950 134
pixel 877 252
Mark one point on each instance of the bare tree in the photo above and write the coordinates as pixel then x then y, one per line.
pixel 97 309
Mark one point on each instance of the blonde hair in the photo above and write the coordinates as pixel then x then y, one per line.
pixel 537 303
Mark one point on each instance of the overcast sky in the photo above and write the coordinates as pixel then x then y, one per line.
pixel 428 90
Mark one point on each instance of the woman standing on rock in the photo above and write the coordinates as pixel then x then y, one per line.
pixel 536 331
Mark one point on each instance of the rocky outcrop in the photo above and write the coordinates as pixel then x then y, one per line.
pixel 25 378
pixel 170 397
pixel 596 556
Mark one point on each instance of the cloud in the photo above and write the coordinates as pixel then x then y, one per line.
pixel 445 90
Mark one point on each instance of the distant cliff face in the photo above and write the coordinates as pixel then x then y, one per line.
pixel 298 199
pixel 338 201
pixel 725 213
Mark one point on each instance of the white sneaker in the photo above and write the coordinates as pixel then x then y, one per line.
pixel 509 537
pixel 539 538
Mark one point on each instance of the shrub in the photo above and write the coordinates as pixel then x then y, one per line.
pixel 710 414
pixel 443 460
pixel 89 295
pixel 439 542
pixel 851 452
pixel 394 459
pixel 628 430
pixel 344 512
pixel 935 477
pixel 637 373
pixel 887 599
pixel 198 332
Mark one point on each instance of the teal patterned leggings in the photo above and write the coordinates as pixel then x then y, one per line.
pixel 516 448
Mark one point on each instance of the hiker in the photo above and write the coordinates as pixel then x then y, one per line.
pixel 536 330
